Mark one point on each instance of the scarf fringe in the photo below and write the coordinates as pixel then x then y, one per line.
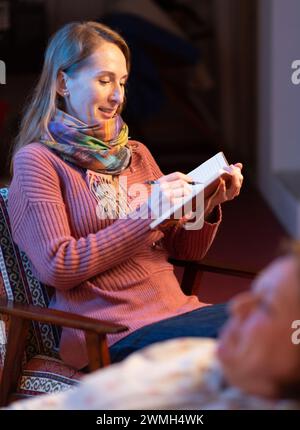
pixel 111 198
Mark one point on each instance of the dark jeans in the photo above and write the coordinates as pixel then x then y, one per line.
pixel 203 322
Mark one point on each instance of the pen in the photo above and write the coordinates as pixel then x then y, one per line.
pixel 190 183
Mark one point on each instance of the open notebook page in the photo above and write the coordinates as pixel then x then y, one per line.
pixel 210 169
pixel 206 174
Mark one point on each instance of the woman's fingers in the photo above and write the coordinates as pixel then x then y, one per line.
pixel 239 165
pixel 220 195
pixel 217 198
pixel 178 183
pixel 175 188
pixel 235 180
pixel 175 176
pixel 235 184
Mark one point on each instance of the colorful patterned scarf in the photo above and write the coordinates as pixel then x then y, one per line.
pixel 101 147
pixel 102 150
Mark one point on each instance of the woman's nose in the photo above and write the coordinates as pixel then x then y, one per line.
pixel 117 94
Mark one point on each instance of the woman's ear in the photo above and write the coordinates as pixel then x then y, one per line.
pixel 61 84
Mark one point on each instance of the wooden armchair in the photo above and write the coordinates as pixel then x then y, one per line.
pixel 14 378
pixel 29 331
pixel 191 269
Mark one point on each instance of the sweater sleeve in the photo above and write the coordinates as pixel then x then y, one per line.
pixel 40 227
pixel 191 244
pixel 187 244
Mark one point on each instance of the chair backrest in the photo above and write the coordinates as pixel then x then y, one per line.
pixel 18 284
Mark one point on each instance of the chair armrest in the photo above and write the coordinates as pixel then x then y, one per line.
pixel 216 268
pixel 229 270
pixel 21 315
pixel 191 268
pixel 60 318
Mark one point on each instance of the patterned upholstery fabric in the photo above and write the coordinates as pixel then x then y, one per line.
pixel 17 283
pixel 43 375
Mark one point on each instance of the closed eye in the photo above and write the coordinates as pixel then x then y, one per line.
pixel 265 306
pixel 102 82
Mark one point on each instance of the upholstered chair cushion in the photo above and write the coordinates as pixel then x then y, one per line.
pixel 43 371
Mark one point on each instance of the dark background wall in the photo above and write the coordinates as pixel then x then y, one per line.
pixel 207 75
pixel 192 88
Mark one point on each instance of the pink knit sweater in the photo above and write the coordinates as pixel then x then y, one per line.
pixel 105 269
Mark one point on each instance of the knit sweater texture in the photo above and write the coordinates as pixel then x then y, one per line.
pixel 113 270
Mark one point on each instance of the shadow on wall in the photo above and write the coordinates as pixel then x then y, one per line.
pixel 152 48
pixel 161 110
pixel 165 93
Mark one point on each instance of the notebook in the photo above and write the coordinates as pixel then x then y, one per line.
pixel 207 178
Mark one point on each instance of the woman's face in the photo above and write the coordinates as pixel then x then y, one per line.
pixel 97 89
pixel 255 348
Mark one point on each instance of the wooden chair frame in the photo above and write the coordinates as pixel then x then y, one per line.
pixel 95 331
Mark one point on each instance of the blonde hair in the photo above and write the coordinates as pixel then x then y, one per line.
pixel 66 51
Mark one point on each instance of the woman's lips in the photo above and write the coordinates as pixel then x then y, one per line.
pixel 107 113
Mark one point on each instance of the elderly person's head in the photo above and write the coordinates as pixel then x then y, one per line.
pixel 256 346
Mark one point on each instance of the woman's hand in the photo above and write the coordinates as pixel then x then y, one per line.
pixel 227 189
pixel 172 190
pixel 175 187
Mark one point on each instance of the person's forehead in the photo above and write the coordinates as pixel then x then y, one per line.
pixel 280 279
pixel 108 56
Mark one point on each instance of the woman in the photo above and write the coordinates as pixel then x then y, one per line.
pixel 70 212
pixel 255 364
